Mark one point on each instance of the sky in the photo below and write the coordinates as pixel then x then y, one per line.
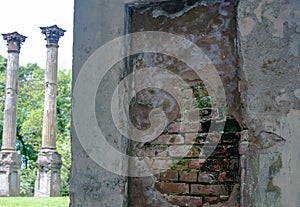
pixel 26 17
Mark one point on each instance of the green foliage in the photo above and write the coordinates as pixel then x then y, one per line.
pixel 2 64
pixel 63 142
pixel 204 101
pixel 28 177
pixel 30 119
pixel 30 112
pixel 2 91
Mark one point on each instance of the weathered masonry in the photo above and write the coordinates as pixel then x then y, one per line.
pixel 49 160
pixel 254 46
pixel 10 160
pixel 191 180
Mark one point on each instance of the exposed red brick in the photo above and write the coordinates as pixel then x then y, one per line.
pixel 172 188
pixel 211 169
pixel 169 176
pixel 225 151
pixel 190 138
pixel 206 177
pixel 224 178
pixel 198 189
pixel 184 127
pixel 196 164
pixel 212 199
pixel 169 139
pixel 162 164
pixel 185 201
pixel 215 165
pixel 179 150
pixel 232 201
pixel 188 176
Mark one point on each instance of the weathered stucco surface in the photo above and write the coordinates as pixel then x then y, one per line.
pixel 95 23
pixel 269 52
pixel 212 27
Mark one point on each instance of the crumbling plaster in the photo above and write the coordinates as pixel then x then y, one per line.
pixel 269 46
pixel 269 52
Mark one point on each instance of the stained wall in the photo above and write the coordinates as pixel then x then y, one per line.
pixel 268 49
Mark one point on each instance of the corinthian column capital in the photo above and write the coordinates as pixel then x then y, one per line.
pixel 53 33
pixel 14 41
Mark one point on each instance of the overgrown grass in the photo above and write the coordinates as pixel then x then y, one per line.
pixel 34 202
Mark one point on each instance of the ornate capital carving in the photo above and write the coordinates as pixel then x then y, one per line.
pixel 49 160
pixel 10 159
pixel 53 33
pixel 14 41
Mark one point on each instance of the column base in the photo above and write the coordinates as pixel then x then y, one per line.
pixel 10 165
pixel 48 176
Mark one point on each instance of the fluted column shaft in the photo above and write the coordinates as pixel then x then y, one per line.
pixel 49 160
pixel 10 109
pixel 14 41
pixel 10 160
pixel 49 120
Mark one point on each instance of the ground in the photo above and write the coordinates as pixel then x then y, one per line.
pixel 34 202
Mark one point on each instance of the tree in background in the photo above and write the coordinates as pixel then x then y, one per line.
pixel 30 118
pixel 2 92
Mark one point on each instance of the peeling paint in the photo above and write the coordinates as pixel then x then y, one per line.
pixel 158 11
pixel 268 29
pixel 269 139
pixel 246 26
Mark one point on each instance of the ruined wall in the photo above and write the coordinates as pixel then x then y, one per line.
pixel 184 176
pixel 95 23
pixel 269 46
pixel 268 50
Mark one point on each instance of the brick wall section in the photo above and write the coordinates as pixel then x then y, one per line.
pixel 186 178
pixel 208 181
pixel 193 181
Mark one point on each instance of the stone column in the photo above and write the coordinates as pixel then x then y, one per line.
pixel 49 161
pixel 10 160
